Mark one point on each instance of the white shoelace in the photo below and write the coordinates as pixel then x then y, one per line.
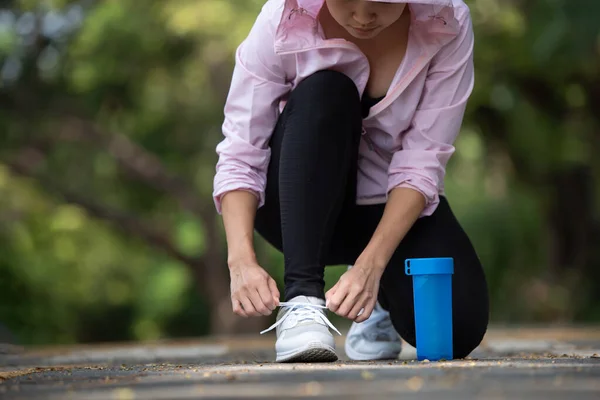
pixel 303 311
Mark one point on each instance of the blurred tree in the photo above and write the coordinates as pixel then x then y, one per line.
pixel 119 97
pixel 536 109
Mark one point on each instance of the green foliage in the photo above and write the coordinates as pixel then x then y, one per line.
pixel 67 277
pixel 157 72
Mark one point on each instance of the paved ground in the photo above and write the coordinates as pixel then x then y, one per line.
pixel 510 364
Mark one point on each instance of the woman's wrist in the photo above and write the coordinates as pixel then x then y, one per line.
pixel 402 210
pixel 240 255
pixel 373 258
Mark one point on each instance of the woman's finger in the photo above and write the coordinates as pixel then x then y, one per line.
pixel 265 295
pixel 248 307
pixel 336 299
pixel 359 305
pixel 330 293
pixel 347 305
pixel 274 291
pixel 237 308
pixel 258 304
pixel 369 306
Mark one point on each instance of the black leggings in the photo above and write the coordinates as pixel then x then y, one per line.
pixel 310 212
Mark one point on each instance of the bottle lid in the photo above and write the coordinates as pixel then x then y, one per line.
pixel 429 266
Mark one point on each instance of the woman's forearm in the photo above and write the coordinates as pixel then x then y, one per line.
pixel 402 210
pixel 239 210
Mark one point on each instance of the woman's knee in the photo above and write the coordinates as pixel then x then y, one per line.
pixel 467 337
pixel 470 319
pixel 470 299
pixel 442 236
pixel 327 88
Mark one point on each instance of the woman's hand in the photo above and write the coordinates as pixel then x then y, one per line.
pixel 356 290
pixel 253 291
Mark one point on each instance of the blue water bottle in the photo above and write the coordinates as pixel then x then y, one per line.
pixel 432 291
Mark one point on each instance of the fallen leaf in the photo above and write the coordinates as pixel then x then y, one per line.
pixel 415 383
pixel 312 389
pixel 367 376
pixel 230 377
pixel 124 394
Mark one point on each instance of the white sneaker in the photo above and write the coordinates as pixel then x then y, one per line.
pixel 303 332
pixel 373 339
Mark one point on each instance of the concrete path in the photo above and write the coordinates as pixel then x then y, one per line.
pixel 510 364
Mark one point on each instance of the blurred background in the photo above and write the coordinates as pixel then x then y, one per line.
pixel 109 116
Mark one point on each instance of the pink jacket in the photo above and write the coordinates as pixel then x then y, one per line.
pixel 407 137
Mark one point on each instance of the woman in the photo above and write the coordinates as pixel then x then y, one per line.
pixel 338 127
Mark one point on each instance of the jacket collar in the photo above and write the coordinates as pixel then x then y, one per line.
pixel 433 21
pixel 314 6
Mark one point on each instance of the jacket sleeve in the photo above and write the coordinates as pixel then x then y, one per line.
pixel 251 112
pixel 428 144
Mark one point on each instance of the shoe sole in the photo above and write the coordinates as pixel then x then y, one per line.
pixel 372 357
pixel 382 355
pixel 312 352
